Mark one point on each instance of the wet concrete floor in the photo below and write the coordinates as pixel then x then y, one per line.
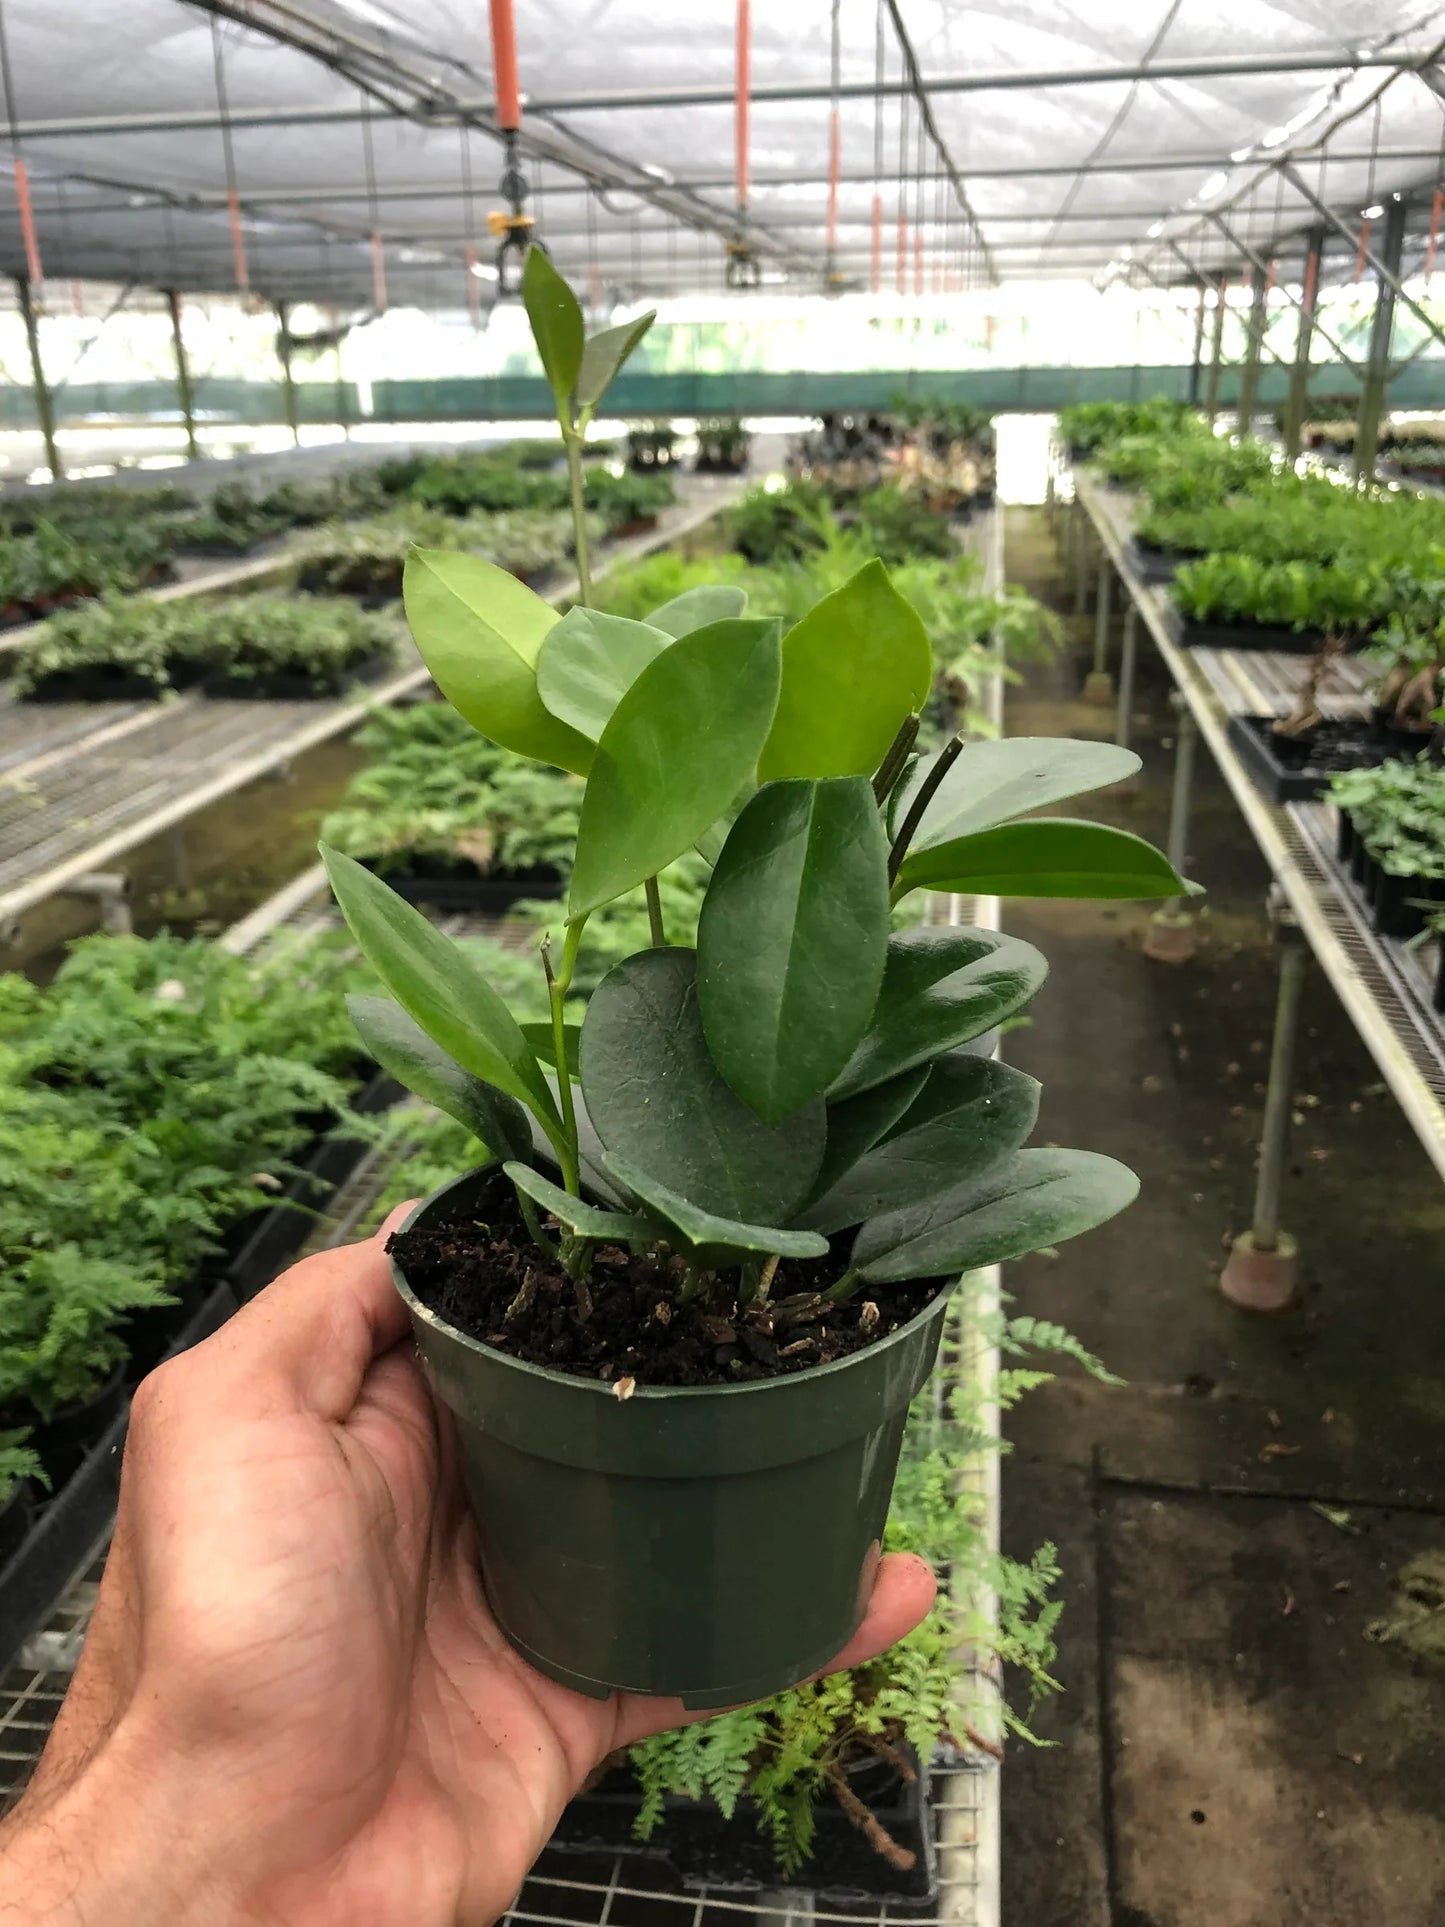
pixel 1252 1529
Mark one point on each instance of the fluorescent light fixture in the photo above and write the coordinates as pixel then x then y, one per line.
pixel 1152 233
pixel 1216 184
pixel 1371 213
pixel 484 271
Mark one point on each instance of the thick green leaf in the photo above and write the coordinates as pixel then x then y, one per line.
pixel 971 1114
pixel 604 353
pixel 792 940
pixel 658 1101
pixel 1046 856
pixel 539 1036
pixel 479 631
pixel 856 1124
pixel 1036 1199
pixel 696 608
pixel 431 978
pixel 681 744
pixel 853 668
pixel 587 663
pixel 993 781
pixel 941 987
pixel 403 1049
pixel 706 1229
pixel 557 326
pixel 619 1227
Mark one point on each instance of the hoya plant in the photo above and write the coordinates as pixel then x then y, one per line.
pixel 805 1086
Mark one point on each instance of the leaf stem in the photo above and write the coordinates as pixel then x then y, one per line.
pixel 573 443
pixel 927 790
pixel 558 984
pixel 891 768
pixel 844 1288
pixel 534 1225
pixel 654 914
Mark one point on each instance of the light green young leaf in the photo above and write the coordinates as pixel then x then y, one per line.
pixel 1036 1199
pixel 587 1220
pixel 704 1228
pixel 696 608
pixel 603 355
pixel 480 632
pixel 404 1050
pixel 431 978
pixel 993 781
pixel 853 668
pixel 588 662
pixel 681 744
pixel 557 326
pixel 792 940
pixel 1046 856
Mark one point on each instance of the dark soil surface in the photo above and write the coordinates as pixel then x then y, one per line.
pixel 491 1282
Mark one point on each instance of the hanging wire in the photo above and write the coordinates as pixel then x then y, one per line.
pixel 903 194
pixel 919 161
pixel 469 228
pixel 1366 219
pixel 879 59
pixel 834 149
pixel 233 199
pixel 378 253
pixel 594 265
pixel 33 266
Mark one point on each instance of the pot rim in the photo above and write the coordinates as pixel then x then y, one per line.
pixel 603 1388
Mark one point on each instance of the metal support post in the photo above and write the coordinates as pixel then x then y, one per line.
pixel 1382 333
pixel 1216 352
pixel 288 382
pixel 1196 363
pixel 183 376
pixel 1170 937
pixel 1297 404
pixel 44 407
pixel 1081 560
pixel 110 890
pixel 1253 349
pixel 1260 1272
pixel 1128 663
pixel 1390 276
pixel 1099 686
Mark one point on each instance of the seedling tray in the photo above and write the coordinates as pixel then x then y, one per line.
pixel 1250 635
pixel 296 685
pixel 446 887
pixel 733 1856
pixel 100 685
pixel 1295 769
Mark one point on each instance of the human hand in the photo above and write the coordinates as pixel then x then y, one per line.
pixel 294 1705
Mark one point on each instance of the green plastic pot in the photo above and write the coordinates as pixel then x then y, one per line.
pixel 712 1543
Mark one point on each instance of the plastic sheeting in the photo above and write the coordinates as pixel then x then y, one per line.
pixel 119 127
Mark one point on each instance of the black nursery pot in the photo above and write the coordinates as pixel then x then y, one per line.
pixel 716 1543
pixel 64 1440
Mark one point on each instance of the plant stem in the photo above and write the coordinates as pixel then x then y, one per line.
pixel 765 1281
pixel 654 914
pixel 534 1225
pixel 557 987
pixel 927 790
pixel 844 1288
pixel 573 443
pixel 891 768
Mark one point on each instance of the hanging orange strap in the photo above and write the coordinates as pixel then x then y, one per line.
pixel 1364 246
pixel 877 268
pixel 902 252
pixel 27 222
pixel 238 240
pixel 1312 277
pixel 743 84
pixel 378 273
pixel 504 67
pixel 1437 207
pixel 834 151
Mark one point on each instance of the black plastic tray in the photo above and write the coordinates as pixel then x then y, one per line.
pixel 732 1856
pixel 1249 635
pixel 296 686
pixel 92 686
pixel 1252 737
pixel 486 896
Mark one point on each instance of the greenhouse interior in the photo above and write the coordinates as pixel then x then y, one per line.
pixel 722 912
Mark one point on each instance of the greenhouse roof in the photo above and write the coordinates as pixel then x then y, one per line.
pixel 1017 140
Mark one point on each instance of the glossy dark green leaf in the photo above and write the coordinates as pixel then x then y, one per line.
pixel 539 1036
pixel 696 608
pixel 993 781
pixel 853 668
pixel 587 663
pixel 705 1229
pixel 1034 1200
pixel 557 325
pixel 1046 856
pixel 405 1052
pixel 681 744
pixel 603 355
pixel 941 987
pixel 431 979
pixel 480 632
pixel 587 1220
pixel 856 1124
pixel 659 1103
pixel 971 1114
pixel 792 939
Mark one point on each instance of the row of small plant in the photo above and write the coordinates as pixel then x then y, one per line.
pixel 141 644
pixel 492 480
pixel 1392 833
pixel 367 558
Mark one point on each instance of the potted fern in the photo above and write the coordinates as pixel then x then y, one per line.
pixel 680 1316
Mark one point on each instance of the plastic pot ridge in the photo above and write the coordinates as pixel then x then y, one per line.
pixel 713 1543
